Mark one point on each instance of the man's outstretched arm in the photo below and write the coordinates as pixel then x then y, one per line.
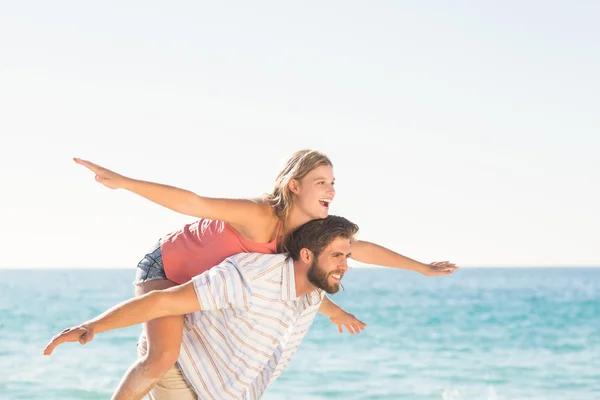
pixel 177 300
pixel 341 318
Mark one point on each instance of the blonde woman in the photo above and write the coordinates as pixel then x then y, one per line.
pixel 303 191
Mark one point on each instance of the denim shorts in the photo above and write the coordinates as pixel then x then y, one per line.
pixel 151 267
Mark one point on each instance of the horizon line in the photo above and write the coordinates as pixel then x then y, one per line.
pixel 353 267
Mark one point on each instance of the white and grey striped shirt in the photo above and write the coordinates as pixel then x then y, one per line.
pixel 249 326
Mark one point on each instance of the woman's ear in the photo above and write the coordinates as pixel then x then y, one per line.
pixel 294 186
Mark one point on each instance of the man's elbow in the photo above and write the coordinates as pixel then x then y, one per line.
pixel 174 302
pixel 161 304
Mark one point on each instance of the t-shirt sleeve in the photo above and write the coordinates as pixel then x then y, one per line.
pixel 222 286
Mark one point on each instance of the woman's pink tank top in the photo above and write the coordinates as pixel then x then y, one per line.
pixel 203 244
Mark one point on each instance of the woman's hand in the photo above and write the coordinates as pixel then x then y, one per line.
pixel 108 178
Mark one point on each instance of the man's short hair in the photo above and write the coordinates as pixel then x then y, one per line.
pixel 317 234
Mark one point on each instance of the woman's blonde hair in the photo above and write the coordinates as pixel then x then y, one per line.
pixel 296 167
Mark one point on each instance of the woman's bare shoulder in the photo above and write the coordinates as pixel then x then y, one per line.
pixel 264 208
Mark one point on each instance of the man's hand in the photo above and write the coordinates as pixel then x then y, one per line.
pixel 438 268
pixel 82 334
pixel 108 178
pixel 344 319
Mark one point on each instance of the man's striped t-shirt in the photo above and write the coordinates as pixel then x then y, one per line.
pixel 249 326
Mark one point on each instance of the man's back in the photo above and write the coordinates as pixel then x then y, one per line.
pixel 249 326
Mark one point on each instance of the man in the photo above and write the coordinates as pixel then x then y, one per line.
pixel 245 317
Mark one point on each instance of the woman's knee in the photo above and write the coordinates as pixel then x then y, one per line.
pixel 157 363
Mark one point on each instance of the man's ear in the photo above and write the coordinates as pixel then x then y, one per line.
pixel 306 256
pixel 294 186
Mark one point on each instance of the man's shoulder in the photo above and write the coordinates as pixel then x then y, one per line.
pixel 253 259
pixel 254 263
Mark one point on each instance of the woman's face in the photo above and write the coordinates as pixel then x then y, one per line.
pixel 315 192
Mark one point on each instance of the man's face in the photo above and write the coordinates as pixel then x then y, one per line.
pixel 327 270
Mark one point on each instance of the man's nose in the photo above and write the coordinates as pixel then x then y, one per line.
pixel 344 266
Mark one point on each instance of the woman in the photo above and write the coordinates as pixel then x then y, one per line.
pixel 303 191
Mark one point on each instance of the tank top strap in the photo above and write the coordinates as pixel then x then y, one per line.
pixel 277 231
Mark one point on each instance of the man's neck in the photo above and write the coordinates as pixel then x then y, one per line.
pixel 303 285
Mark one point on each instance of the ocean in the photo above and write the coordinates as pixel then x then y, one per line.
pixel 479 334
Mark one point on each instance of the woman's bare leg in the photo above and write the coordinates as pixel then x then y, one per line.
pixel 164 341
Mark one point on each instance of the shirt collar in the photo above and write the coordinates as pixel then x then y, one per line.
pixel 288 282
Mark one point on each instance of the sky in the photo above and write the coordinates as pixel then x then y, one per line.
pixel 466 132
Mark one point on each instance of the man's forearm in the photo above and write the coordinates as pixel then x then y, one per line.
pixel 374 254
pixel 329 308
pixel 131 312
pixel 177 300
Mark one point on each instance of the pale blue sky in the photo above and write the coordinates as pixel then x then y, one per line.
pixel 467 132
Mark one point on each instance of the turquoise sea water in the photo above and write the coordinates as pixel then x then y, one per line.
pixel 478 334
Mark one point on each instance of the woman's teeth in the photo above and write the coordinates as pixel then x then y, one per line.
pixel 325 202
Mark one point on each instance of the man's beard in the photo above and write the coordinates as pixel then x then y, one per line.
pixel 318 277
